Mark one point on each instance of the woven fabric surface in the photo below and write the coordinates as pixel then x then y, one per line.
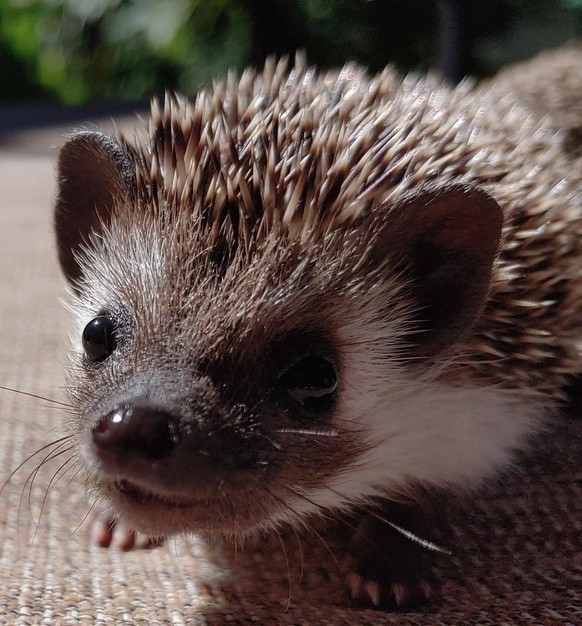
pixel 516 546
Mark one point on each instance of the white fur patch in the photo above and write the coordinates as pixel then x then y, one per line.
pixel 439 435
pixel 419 430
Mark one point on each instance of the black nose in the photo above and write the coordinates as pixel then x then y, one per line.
pixel 137 430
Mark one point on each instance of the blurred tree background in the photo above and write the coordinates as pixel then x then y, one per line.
pixel 76 51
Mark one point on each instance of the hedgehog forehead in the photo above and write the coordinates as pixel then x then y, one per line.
pixel 175 293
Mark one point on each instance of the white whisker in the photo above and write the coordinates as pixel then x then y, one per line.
pixel 313 433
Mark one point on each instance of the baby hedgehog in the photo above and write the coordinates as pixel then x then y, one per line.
pixel 316 293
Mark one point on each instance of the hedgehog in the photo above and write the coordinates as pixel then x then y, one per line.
pixel 306 294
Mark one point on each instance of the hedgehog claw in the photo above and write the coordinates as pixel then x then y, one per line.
pixel 354 582
pixel 373 592
pixel 106 531
pixel 399 592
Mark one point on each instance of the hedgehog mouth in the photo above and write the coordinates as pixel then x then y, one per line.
pixel 145 497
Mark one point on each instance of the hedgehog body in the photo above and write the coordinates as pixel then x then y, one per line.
pixel 299 284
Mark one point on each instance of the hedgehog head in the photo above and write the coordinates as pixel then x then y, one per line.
pixel 252 305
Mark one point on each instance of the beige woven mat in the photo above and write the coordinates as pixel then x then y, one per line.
pixel 517 548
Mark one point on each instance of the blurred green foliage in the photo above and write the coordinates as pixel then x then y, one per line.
pixel 78 50
pixel 83 49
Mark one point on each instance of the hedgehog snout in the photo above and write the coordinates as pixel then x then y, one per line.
pixel 135 430
pixel 140 441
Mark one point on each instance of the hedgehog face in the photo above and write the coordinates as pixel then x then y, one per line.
pixel 209 394
pixel 233 369
pixel 204 400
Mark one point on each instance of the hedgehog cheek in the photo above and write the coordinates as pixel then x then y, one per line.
pixel 448 238
pixel 95 173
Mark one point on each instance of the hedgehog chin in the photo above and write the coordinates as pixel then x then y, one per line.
pixel 160 515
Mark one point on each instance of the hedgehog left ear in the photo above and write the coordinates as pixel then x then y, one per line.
pixel 95 174
pixel 448 238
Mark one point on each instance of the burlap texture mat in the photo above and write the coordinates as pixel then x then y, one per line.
pixel 517 547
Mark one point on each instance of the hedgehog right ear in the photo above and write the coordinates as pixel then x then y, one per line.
pixel 94 173
pixel 448 237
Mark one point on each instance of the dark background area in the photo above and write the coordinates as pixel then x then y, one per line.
pixel 80 51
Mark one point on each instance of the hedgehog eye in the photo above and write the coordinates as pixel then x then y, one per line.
pixel 99 339
pixel 312 382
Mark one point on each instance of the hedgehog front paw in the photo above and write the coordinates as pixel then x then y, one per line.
pixel 385 568
pixel 106 530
